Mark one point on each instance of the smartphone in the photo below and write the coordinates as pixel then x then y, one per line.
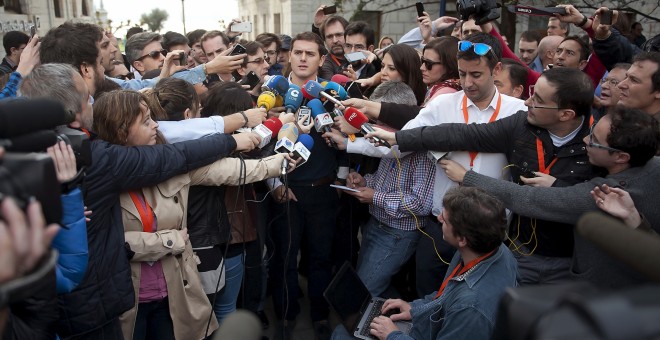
pixel 420 9
pixel 355 56
pixel 330 10
pixel 238 49
pixel 244 26
pixel 606 17
pixel 33 31
pixel 353 89
pixel 250 79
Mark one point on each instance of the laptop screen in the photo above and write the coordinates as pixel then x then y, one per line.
pixel 348 296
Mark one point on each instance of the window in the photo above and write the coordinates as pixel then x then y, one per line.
pixel 277 23
pixel 58 8
pixel 85 10
pixel 13 6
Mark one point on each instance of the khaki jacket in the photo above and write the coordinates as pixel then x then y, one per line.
pixel 189 306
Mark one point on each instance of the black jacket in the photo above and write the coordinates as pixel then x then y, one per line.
pixel 35 316
pixel 516 138
pixel 106 291
pixel 615 49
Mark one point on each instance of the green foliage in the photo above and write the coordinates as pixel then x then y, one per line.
pixel 155 19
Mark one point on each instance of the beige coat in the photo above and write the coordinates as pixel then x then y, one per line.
pixel 189 307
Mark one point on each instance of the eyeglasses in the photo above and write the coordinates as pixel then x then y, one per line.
pixel 612 81
pixel 533 101
pixel 591 143
pixel 126 76
pixel 478 48
pixel 429 63
pixel 153 54
pixel 271 52
pixel 257 61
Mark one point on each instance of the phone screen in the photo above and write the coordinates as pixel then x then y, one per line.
pixel 420 9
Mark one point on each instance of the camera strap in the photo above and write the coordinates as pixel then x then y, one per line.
pixel 530 10
pixel 144 209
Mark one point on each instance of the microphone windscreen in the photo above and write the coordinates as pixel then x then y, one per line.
pixel 316 106
pixel 241 325
pixel 276 84
pixel 340 79
pixel 32 142
pixel 21 116
pixel 633 247
pixel 354 117
pixel 312 89
pixel 307 141
pixel 279 101
pixel 293 99
pixel 266 100
pixel 336 90
pixel 290 131
pixel 273 124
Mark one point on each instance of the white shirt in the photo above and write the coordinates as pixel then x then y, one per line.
pixel 189 129
pixel 447 108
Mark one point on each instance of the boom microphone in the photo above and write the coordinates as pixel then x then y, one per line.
pixel 30 142
pixel 21 116
pixel 359 121
pixel 276 84
pixel 266 100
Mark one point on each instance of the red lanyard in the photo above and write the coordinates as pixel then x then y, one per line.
pixel 335 59
pixel 474 154
pixel 146 214
pixel 462 271
pixel 541 157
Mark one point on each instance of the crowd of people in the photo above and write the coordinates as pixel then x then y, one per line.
pixel 477 167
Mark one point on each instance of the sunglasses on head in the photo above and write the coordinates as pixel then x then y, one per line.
pixel 478 48
pixel 153 54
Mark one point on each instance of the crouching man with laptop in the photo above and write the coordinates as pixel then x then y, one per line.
pixel 465 305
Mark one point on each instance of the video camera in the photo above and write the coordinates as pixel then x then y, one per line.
pixel 482 11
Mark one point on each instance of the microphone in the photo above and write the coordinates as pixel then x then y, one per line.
pixel 266 100
pixel 311 90
pixel 292 100
pixel 335 89
pixel 276 84
pixel 285 138
pixel 359 121
pixel 267 130
pixel 340 79
pixel 21 116
pixel 239 325
pixel 279 101
pixel 30 142
pixel 302 148
pixel 322 119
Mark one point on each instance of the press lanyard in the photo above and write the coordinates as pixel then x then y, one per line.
pixel 335 59
pixel 541 157
pixel 462 271
pixel 473 154
pixel 146 214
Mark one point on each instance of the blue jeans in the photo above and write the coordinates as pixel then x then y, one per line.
pixel 382 253
pixel 315 214
pixel 225 301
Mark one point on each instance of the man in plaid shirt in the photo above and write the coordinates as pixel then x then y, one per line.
pixel 400 197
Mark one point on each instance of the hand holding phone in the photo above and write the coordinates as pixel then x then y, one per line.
pixel 606 17
pixel 420 9
pixel 330 10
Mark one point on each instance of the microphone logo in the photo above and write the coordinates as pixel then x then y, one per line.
pixel 294 93
pixel 352 116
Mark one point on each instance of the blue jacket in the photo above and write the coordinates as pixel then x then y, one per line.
pixel 106 290
pixel 71 242
pixel 468 306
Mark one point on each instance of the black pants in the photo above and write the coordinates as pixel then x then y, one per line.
pixel 153 321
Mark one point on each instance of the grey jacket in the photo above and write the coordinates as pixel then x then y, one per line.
pixel 567 204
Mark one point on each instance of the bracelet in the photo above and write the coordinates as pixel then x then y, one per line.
pixel 244 117
pixel 584 21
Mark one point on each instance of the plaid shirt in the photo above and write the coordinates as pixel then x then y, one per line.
pixel 390 204
pixel 11 88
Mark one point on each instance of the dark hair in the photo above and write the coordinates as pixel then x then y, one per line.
pixel 114 113
pixel 446 48
pixel 170 98
pixel 407 63
pixel 635 132
pixel 212 34
pixel 635 24
pixel 107 85
pixel 517 72
pixel 329 20
pixel 585 51
pixel 653 57
pixel 531 36
pixel 266 39
pixel 623 66
pixel 476 215
pixel 72 44
pixel 14 39
pixel 361 27
pixel 133 31
pixel 573 89
pixel 195 36
pixel 484 38
pixel 562 25
pixel 172 39
pixel 309 36
pixel 251 48
pixel 224 99
pixel 137 43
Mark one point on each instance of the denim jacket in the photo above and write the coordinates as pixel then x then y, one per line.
pixel 467 308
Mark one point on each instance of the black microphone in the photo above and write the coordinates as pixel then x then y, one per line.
pixel 21 116
pixel 30 142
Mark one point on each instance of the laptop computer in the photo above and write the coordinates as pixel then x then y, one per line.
pixel 350 298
